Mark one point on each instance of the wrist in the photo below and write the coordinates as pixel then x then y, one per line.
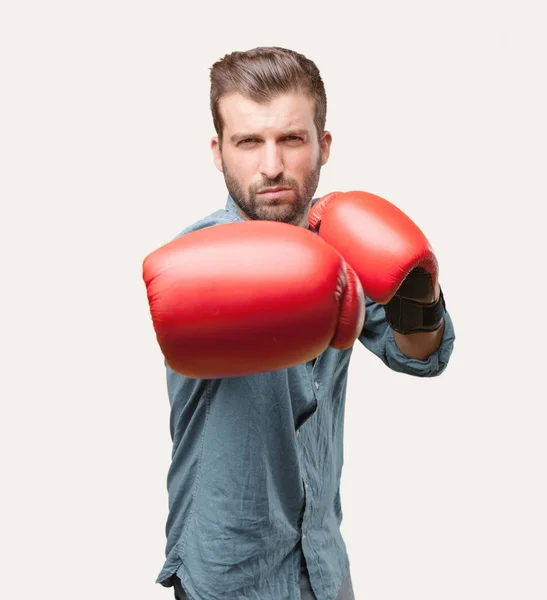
pixel 408 316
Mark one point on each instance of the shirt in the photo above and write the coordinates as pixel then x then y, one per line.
pixel 254 481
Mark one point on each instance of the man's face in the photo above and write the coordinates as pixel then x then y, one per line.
pixel 270 156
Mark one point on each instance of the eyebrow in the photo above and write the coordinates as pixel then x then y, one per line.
pixel 243 136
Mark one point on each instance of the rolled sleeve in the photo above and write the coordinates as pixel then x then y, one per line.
pixel 377 336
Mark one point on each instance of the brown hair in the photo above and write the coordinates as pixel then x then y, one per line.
pixel 261 74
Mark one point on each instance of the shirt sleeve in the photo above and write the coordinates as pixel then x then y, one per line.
pixel 377 336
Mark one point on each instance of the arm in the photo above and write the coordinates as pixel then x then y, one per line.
pixel 419 345
pixel 379 338
pixel 396 266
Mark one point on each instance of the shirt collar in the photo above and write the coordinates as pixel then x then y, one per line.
pixel 231 207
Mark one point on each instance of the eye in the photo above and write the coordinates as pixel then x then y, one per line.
pixel 246 142
pixel 293 139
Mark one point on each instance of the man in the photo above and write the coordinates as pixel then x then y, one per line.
pixel 254 498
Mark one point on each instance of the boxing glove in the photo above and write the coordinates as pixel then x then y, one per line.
pixel 243 298
pixel 390 254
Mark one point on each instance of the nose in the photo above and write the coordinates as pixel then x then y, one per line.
pixel 271 161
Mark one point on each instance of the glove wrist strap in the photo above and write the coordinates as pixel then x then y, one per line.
pixel 409 316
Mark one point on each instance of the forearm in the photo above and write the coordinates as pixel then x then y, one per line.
pixel 419 345
pixel 379 338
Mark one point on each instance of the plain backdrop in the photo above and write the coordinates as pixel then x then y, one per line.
pixel 104 135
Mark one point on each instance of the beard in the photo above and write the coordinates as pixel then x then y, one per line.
pixel 282 209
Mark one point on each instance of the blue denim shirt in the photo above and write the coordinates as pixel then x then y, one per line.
pixel 254 481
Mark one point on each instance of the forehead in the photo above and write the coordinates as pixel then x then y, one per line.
pixel 284 111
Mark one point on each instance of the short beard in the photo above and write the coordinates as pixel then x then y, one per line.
pixel 291 212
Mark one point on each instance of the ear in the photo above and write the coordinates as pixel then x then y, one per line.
pixel 217 156
pixel 325 143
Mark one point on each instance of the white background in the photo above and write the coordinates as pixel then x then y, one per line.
pixel 104 134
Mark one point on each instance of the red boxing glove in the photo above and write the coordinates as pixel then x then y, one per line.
pixel 390 254
pixel 243 298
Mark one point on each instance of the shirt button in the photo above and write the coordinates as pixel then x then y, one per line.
pixel 316 385
pixel 298 433
pixel 303 536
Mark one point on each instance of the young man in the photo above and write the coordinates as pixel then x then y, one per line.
pixel 254 498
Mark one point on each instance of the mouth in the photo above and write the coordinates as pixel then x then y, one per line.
pixel 277 193
pixel 275 190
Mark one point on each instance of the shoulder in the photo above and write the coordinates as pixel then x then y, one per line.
pixel 218 217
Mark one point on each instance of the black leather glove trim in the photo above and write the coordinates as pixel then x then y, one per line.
pixel 408 316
